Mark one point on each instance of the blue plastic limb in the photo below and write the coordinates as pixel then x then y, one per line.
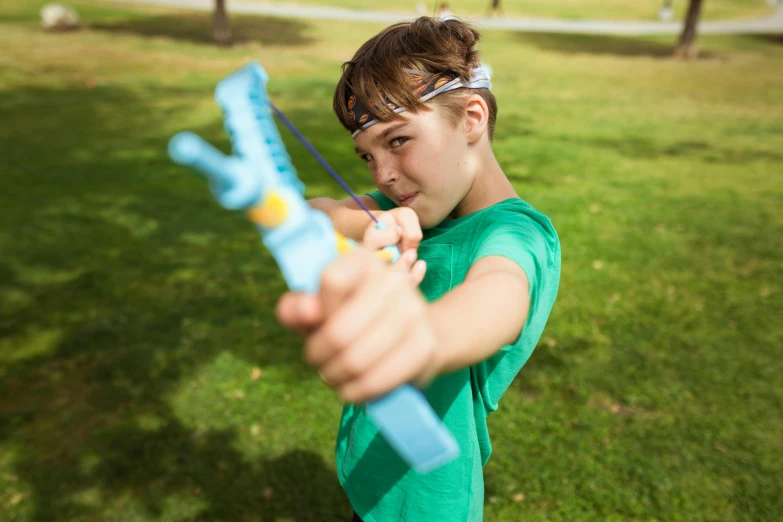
pixel 260 178
pixel 231 181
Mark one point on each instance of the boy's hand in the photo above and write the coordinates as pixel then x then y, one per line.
pixel 403 229
pixel 367 329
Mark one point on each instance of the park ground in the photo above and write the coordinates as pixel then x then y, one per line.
pixel 143 376
pixel 563 9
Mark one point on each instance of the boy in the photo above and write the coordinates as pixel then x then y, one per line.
pixel 422 118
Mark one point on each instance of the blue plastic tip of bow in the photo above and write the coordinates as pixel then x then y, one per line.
pixel 188 149
pixel 320 158
pixel 232 185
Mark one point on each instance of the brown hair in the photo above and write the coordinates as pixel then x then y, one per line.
pixel 426 44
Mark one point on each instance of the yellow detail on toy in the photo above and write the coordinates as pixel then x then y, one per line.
pixel 385 255
pixel 271 213
pixel 343 244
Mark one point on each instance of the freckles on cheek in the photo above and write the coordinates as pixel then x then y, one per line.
pixel 412 161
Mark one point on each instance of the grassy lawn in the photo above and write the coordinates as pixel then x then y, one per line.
pixel 143 376
pixel 569 9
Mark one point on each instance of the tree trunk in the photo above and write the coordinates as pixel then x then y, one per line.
pixel 687 45
pixel 221 28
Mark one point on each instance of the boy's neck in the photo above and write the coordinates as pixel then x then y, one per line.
pixel 490 186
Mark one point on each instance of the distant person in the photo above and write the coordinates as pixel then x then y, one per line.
pixel 495 7
pixel 666 13
pixel 444 13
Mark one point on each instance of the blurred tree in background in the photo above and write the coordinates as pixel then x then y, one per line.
pixel 221 27
pixel 686 48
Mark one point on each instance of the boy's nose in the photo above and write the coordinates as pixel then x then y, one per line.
pixel 386 174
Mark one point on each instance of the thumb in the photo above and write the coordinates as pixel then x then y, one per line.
pixel 299 312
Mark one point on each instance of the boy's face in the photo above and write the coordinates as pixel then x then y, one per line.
pixel 419 160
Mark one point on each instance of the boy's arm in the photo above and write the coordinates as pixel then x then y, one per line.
pixel 347 216
pixel 486 312
pixel 369 332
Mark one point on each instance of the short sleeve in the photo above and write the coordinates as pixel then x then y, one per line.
pixel 384 203
pixel 522 239
pixel 531 242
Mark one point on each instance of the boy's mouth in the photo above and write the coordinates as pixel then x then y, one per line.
pixel 407 199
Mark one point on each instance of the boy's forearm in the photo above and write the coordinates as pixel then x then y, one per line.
pixel 349 222
pixel 477 318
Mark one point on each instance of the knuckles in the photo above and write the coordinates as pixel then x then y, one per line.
pixel 285 310
pixel 361 391
pixel 336 338
pixel 311 353
pixel 353 365
pixel 406 215
pixel 330 339
pixel 378 238
pixel 348 270
pixel 334 277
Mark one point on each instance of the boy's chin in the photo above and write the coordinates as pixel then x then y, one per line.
pixel 427 220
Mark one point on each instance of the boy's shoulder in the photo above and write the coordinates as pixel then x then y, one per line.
pixel 516 212
pixel 507 216
pixel 513 221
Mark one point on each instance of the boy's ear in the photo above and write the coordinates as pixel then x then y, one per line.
pixel 476 118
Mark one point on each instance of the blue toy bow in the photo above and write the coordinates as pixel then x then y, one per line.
pixel 260 179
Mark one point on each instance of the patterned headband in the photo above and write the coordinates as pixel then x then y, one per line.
pixel 426 85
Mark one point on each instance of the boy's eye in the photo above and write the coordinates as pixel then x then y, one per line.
pixel 396 142
pixel 366 157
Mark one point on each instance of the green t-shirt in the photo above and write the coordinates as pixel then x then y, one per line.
pixel 379 485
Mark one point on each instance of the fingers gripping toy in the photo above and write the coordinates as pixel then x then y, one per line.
pixel 260 179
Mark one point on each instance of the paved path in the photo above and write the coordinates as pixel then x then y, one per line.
pixel 770 25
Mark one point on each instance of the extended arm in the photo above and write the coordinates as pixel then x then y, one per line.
pixel 487 311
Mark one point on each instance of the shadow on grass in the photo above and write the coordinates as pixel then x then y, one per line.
pixel 197 28
pixel 774 39
pixel 603 45
pixel 171 464
pixel 126 281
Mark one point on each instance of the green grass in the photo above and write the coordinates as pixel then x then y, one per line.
pixel 133 310
pixel 568 9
